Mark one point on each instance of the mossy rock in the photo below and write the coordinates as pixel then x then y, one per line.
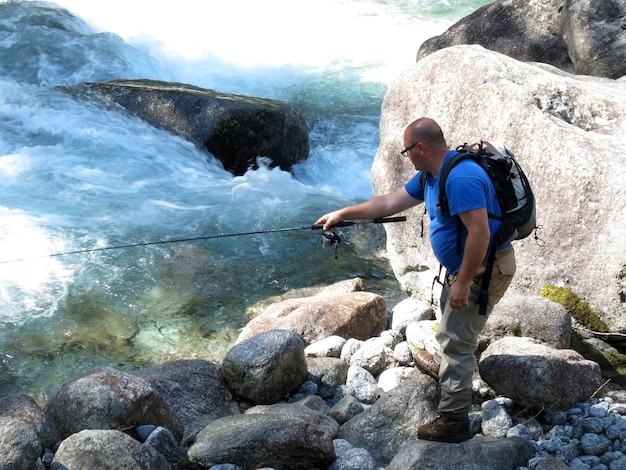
pixel 578 308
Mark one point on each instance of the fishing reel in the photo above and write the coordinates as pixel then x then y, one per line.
pixel 330 239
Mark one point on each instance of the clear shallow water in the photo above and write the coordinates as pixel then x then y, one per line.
pixel 76 175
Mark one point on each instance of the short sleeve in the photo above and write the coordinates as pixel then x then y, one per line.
pixel 414 187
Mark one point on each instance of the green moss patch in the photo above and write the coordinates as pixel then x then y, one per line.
pixel 579 309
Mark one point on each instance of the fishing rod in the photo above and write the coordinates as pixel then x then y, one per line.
pixel 333 238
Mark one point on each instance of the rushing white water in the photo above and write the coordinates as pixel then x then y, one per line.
pixel 78 175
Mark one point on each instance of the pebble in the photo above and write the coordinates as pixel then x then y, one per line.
pixel 589 436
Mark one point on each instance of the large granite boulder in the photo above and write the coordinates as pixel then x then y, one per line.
pixel 235 129
pixel 587 37
pixel 264 368
pixel 359 315
pixel 196 391
pixel 545 378
pixel 22 408
pixel 105 398
pixel 518 314
pixel 567 131
pixel 479 453
pixel 595 33
pixel 107 449
pixel 20 446
pixel 281 436
pixel 386 426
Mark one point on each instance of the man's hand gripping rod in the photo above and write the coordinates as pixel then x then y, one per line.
pixel 331 238
pixel 348 223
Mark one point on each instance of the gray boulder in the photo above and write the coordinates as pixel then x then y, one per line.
pixel 345 409
pixel 327 347
pixel 298 410
pixel 165 443
pixel 359 315
pixel 402 354
pixel 362 385
pixel 410 310
pixel 328 373
pixel 315 402
pixel 386 426
pixel 351 458
pixel 107 449
pixel 194 389
pixel 264 368
pixel 566 131
pixel 496 421
pixel 235 129
pixel 105 398
pixel 519 314
pixel 350 348
pixel 545 378
pixel 612 361
pixel 285 437
pixel 476 454
pixel 372 357
pixel 20 446
pixel 595 34
pixel 585 37
pixel 24 409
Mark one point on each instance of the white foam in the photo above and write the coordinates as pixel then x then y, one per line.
pixel 273 32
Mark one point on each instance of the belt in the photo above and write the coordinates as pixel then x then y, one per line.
pixel 451 278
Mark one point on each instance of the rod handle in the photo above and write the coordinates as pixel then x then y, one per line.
pixel 347 223
pixel 384 220
pixel 340 224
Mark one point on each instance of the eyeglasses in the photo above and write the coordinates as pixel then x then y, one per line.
pixel 406 151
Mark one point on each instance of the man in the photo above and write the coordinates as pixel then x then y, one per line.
pixel 471 198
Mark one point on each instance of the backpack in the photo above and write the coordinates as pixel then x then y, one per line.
pixel 513 192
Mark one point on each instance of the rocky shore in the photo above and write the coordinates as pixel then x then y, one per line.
pixel 326 380
pixel 293 393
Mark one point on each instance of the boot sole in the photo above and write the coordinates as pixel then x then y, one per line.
pixel 454 439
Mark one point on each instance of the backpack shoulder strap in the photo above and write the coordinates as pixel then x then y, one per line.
pixel 463 153
pixel 483 298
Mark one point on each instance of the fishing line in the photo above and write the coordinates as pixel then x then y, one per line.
pixel 207 237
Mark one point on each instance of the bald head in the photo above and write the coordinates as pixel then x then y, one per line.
pixel 425 145
pixel 428 131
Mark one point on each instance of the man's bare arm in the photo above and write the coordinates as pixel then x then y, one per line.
pixel 380 206
pixel 478 234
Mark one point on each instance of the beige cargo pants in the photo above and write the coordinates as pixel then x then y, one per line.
pixel 458 333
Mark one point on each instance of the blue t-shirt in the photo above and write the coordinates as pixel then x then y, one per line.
pixel 468 187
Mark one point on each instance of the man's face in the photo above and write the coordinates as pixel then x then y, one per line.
pixel 413 150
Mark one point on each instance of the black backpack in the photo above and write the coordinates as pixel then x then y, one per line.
pixel 514 194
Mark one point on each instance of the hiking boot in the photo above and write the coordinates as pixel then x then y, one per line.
pixel 425 362
pixel 448 427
